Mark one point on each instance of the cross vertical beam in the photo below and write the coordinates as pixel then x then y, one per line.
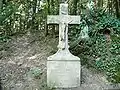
pixel 63 19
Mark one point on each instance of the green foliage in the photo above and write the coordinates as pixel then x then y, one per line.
pixel 6 12
pixel 99 21
pixel 35 73
pixel 4 38
pixel 110 65
pixel 108 22
pixel 108 54
pixel 97 51
pixel 5 21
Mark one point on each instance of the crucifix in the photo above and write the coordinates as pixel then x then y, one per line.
pixel 63 68
pixel 63 19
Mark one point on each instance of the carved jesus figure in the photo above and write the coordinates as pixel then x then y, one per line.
pixel 63 34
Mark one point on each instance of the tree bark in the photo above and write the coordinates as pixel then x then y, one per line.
pixel 110 8
pixel 117 8
pixel 47 13
pixel 95 2
pixel 1 3
pixel 34 11
pixel 53 12
pixel 100 3
pixel 75 7
pixel 48 7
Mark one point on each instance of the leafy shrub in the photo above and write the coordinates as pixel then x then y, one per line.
pixel 35 72
pixel 97 50
pixel 110 65
pixel 6 12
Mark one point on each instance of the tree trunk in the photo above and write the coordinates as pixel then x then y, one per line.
pixel 100 3
pixel 1 3
pixel 48 7
pixel 110 2
pixel 109 6
pixel 74 7
pixel 53 12
pixel 117 7
pixel 95 2
pixel 47 13
pixel 34 11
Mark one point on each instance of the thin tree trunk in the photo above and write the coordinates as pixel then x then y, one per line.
pixel 52 12
pixel 34 11
pixel 75 7
pixel 46 28
pixel 48 1
pixel 95 2
pixel 100 3
pixel 47 13
pixel 110 6
pixel 1 3
pixel 117 7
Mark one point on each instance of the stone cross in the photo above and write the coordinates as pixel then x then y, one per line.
pixel 63 68
pixel 63 20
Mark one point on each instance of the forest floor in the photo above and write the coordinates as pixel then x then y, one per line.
pixel 23 61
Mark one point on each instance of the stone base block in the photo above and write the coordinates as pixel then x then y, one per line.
pixel 63 74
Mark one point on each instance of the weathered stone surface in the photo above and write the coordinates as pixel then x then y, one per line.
pixel 63 19
pixel 63 55
pixel 63 68
pixel 63 74
pixel 57 19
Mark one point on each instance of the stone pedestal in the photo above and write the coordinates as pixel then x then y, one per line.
pixel 63 70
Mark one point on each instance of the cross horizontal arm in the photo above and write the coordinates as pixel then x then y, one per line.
pixel 74 19
pixel 53 19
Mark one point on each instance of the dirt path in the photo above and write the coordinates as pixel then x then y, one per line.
pixel 23 63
